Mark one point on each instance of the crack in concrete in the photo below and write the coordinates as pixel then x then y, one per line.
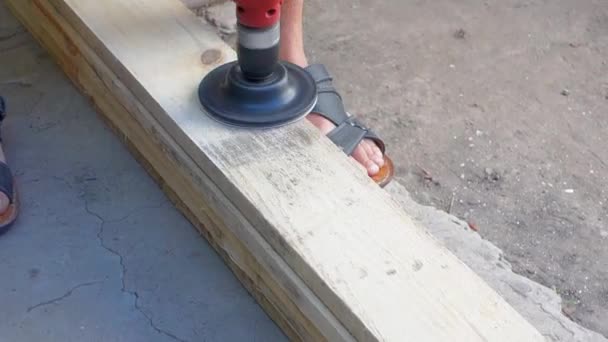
pixel 12 48
pixel 8 36
pixel 123 266
pixel 542 307
pixel 18 31
pixel 62 297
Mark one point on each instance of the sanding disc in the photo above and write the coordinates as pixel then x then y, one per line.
pixel 289 94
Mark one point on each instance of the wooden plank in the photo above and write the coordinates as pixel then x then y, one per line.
pixel 331 252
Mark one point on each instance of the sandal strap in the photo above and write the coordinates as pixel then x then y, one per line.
pixel 347 135
pixel 369 134
pixel 329 102
pixel 2 108
pixel 349 131
pixel 319 73
pixel 6 181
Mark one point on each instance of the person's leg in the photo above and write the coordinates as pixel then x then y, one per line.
pixel 292 50
pixel 292 36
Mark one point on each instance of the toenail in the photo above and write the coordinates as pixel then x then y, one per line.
pixel 373 169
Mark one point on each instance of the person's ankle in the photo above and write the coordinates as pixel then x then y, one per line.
pixel 297 58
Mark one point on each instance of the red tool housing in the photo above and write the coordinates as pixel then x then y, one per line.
pixel 258 13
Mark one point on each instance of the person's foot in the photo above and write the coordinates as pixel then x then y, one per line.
pixel 4 201
pixel 291 49
pixel 367 153
pixel 8 197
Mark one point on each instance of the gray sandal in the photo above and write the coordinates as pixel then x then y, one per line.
pixel 349 132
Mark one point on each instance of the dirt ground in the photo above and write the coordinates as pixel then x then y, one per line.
pixel 496 111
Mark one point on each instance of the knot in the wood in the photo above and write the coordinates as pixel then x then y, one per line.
pixel 211 56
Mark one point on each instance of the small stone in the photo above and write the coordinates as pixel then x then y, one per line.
pixel 569 191
pixel 491 174
pixel 460 34
pixel 565 92
pixel 604 233
pixel 34 272
pixel 569 310
pixel 473 226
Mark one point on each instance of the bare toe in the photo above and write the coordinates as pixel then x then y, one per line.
pixel 4 203
pixel 361 156
pixel 376 153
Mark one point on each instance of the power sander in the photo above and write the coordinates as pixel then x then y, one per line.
pixel 258 90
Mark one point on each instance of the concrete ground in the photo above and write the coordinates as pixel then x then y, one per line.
pixel 99 254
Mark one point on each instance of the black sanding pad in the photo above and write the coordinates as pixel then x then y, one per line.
pixel 287 95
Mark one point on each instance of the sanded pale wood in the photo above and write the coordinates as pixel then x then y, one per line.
pixel 289 198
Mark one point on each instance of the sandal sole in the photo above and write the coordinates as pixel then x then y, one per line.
pixel 386 173
pixel 10 215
